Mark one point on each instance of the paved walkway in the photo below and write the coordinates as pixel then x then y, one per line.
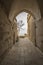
pixel 23 53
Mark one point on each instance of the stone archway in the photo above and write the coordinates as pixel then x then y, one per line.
pixel 31 24
pixel 25 10
pixel 20 5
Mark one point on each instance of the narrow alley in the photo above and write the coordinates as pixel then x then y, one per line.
pixel 21 32
pixel 23 53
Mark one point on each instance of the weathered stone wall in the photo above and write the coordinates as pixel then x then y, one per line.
pixel 31 29
pixel 39 34
pixel 15 32
pixel 6 33
pixel 35 32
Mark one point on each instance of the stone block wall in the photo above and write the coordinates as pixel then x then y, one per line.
pixel 39 34
pixel 15 32
pixel 31 29
pixel 6 33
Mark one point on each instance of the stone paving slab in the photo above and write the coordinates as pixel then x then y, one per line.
pixel 23 53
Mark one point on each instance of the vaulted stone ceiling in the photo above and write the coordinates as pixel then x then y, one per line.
pixel 21 5
pixel 6 4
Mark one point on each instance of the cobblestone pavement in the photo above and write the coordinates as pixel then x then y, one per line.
pixel 23 53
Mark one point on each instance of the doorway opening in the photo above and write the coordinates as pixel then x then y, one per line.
pixel 26 26
pixel 22 25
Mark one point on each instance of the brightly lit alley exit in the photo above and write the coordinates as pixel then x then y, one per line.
pixel 25 26
pixel 21 32
pixel 22 25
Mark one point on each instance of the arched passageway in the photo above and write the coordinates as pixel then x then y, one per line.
pixel 28 29
pixel 8 34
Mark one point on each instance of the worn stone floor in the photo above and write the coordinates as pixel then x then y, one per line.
pixel 23 53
